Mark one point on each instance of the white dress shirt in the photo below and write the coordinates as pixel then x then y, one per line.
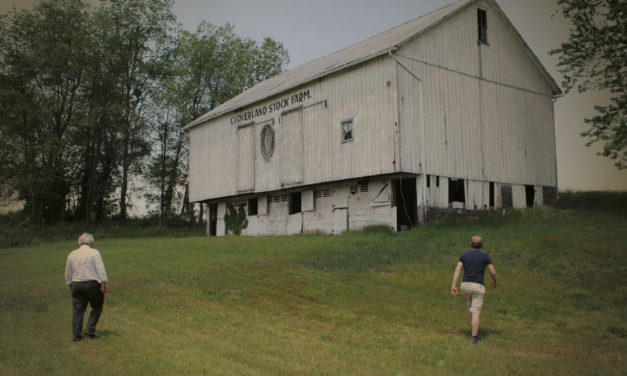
pixel 85 264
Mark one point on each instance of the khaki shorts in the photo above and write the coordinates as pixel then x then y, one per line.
pixel 474 293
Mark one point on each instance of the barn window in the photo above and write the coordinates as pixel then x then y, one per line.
pixel 482 22
pixel 347 130
pixel 294 203
pixel 253 206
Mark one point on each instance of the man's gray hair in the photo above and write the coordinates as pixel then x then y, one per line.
pixel 86 238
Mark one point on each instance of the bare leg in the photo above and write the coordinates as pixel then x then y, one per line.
pixel 474 323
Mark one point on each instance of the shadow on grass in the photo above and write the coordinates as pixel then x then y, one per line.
pixel 484 333
pixel 107 334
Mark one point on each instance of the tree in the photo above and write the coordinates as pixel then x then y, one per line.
pixel 594 58
pixel 87 94
pixel 210 66
pixel 137 43
pixel 40 96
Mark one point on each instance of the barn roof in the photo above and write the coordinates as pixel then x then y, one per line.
pixel 371 48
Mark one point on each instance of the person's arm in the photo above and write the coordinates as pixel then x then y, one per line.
pixel 458 270
pixel 102 273
pixel 493 274
pixel 68 272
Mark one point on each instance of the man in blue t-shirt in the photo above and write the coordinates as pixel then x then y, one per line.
pixel 474 263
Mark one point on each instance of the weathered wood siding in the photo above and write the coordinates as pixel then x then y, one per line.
pixel 226 158
pixel 488 110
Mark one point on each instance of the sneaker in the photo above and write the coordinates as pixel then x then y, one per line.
pixel 90 335
pixel 476 341
pixel 77 339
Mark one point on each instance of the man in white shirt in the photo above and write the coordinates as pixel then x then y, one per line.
pixel 85 274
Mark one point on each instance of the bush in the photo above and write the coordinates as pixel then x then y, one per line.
pixel 378 229
pixel 17 232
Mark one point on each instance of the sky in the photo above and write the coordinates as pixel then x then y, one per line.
pixel 313 29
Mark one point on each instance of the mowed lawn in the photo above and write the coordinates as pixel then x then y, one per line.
pixel 363 303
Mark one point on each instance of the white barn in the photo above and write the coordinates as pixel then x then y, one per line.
pixel 446 113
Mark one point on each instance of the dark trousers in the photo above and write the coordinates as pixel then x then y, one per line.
pixel 83 293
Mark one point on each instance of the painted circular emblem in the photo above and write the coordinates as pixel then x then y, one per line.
pixel 267 142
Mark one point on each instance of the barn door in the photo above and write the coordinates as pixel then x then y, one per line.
pixel 245 158
pixel 339 221
pixel 292 147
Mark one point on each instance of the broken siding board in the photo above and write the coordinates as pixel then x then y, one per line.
pixel 476 195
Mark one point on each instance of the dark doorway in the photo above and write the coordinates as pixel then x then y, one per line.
pixel 213 220
pixel 456 191
pixel 506 196
pixel 491 194
pixel 530 194
pixel 406 203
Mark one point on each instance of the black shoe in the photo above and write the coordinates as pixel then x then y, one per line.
pixel 91 335
pixel 77 339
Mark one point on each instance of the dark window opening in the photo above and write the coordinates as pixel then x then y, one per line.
pixel 213 220
pixel 530 195
pixel 437 182
pixel 295 203
pixel 406 204
pixel 428 181
pixel 253 206
pixel 482 21
pixel 456 192
pixel 506 196
pixel 491 194
pixel 347 130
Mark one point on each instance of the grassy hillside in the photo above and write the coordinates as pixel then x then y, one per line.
pixel 363 303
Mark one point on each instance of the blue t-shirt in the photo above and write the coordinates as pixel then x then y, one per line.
pixel 474 265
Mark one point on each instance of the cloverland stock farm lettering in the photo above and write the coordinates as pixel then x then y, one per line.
pixel 272 107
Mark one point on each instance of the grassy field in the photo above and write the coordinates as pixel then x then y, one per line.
pixel 363 303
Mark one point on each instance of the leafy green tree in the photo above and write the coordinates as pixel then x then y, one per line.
pixel 86 94
pixel 137 43
pixel 594 58
pixel 43 68
pixel 210 66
